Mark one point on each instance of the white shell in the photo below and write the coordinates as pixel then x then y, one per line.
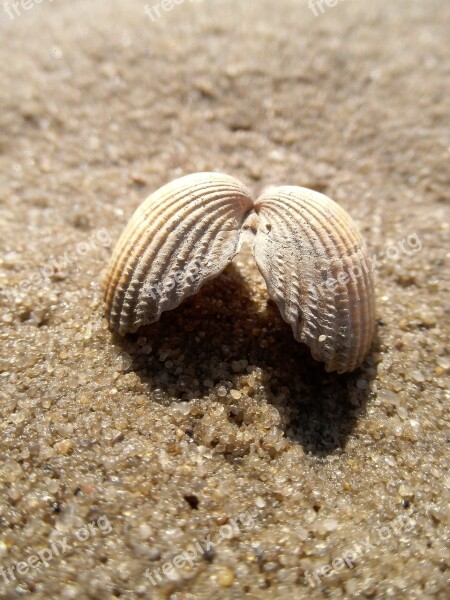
pixel 315 265
pixel 306 246
pixel 179 238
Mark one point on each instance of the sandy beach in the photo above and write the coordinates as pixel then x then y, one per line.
pixel 208 456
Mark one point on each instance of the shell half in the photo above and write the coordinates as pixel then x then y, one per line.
pixel 179 238
pixel 315 265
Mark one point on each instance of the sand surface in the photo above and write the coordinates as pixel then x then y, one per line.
pixel 213 432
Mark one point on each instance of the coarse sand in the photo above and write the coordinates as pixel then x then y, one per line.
pixel 208 456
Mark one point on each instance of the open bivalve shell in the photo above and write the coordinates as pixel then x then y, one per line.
pixel 306 246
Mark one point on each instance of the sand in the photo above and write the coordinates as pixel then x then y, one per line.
pixel 208 456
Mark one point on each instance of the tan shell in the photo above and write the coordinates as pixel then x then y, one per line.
pixel 306 246
pixel 179 238
pixel 315 265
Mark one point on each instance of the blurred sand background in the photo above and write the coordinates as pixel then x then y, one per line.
pixel 169 434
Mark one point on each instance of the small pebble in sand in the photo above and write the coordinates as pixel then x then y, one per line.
pixel 417 376
pixel 145 531
pixel 443 363
pixel 330 524
pixel 225 577
pixel 406 491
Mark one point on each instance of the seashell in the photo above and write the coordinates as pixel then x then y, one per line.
pixel 315 265
pixel 179 238
pixel 306 246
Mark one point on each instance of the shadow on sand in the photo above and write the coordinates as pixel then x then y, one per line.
pixel 223 324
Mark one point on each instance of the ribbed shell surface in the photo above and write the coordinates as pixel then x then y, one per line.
pixel 182 236
pixel 316 268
